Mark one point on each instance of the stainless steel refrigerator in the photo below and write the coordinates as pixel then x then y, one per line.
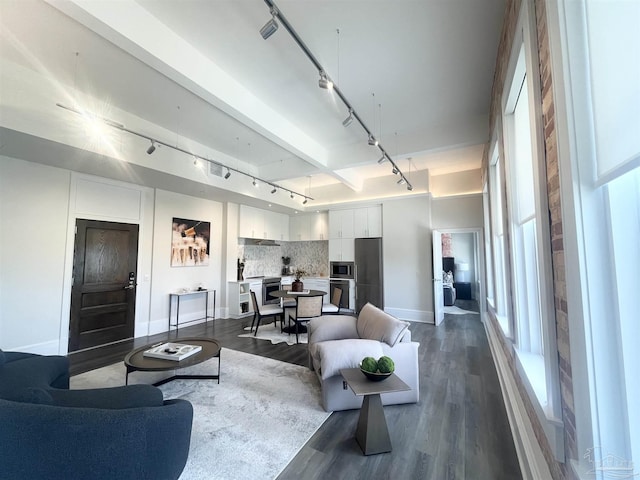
pixel 368 272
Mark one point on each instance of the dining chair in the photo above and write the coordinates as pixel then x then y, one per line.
pixel 265 311
pixel 288 302
pixel 334 306
pixel 307 307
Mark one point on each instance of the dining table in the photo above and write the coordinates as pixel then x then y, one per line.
pixel 296 295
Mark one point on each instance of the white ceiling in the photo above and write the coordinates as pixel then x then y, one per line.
pixel 418 73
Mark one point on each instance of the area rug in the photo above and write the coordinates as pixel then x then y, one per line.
pixel 453 310
pixel 249 426
pixel 272 333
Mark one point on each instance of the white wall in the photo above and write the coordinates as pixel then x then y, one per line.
pixel 39 206
pixel 407 258
pixel 463 247
pixel 457 212
pixel 168 279
pixel 34 203
pixel 458 183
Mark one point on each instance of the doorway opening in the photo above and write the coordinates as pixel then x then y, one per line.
pixel 459 262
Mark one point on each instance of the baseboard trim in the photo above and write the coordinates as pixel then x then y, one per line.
pixel 51 347
pixel 530 457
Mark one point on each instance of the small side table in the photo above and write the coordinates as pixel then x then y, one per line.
pixel 372 433
pixel 179 295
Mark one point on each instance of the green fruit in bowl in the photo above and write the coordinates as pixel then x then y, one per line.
pixel 369 364
pixel 386 365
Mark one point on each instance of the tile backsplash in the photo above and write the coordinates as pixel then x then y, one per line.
pixel 313 257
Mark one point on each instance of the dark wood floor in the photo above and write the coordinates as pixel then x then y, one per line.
pixel 458 430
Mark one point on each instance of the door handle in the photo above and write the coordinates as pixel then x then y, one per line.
pixel 129 287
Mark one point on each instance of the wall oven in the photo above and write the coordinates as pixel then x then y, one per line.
pixel 341 270
pixel 343 285
pixel 270 284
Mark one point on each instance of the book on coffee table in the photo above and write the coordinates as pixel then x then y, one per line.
pixel 172 351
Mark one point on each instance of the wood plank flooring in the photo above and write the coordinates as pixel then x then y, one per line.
pixel 458 430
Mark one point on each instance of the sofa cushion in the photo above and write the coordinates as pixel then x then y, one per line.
pixel 375 324
pixel 334 355
pixel 38 396
pixel 130 396
pixel 332 327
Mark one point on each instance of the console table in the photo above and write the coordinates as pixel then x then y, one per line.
pixel 179 295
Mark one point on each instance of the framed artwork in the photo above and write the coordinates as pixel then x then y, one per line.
pixel 189 243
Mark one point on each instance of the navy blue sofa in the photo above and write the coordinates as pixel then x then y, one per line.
pixel 50 432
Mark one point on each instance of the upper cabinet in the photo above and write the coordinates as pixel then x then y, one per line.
pixel 367 222
pixel 356 223
pixel 308 227
pixel 341 224
pixel 262 224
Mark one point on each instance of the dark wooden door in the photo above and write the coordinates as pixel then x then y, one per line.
pixel 103 293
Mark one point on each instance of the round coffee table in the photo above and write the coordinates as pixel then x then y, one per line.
pixel 136 361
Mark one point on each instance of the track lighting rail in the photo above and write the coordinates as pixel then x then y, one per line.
pixel 275 13
pixel 155 142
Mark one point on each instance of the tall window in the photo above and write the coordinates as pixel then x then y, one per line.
pixel 496 195
pixel 594 45
pixel 531 279
pixel 525 251
pixel 488 256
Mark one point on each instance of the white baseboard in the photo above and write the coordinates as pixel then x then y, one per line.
pixel 411 315
pixel 532 461
pixel 52 347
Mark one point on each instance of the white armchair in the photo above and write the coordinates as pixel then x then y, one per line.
pixel 342 341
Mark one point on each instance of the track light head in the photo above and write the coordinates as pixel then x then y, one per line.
pixel 270 27
pixel 347 121
pixel 372 141
pixel 305 201
pixel 227 175
pixel 395 170
pixel 409 187
pixel 255 183
pixel 274 190
pixel 291 194
pixel 152 148
pixel 324 81
pixel 401 181
pixel 382 159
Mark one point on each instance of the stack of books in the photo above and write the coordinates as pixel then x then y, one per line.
pixel 172 351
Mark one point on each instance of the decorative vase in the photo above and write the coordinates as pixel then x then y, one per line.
pixel 296 286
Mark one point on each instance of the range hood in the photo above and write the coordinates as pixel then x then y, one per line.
pixel 259 242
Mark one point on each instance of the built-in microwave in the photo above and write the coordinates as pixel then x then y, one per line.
pixel 341 270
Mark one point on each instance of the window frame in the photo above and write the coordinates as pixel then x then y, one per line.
pixel 589 249
pixel 539 371
pixel 500 305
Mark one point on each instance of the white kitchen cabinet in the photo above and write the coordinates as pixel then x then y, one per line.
pixel 255 286
pixel 321 284
pixel 341 250
pixel 341 224
pixel 239 299
pixel 262 224
pixel 319 226
pixel 367 221
pixel 298 228
pixel 284 227
pixel 249 225
pixel 308 227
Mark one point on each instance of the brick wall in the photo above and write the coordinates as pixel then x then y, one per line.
pixel 558 470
